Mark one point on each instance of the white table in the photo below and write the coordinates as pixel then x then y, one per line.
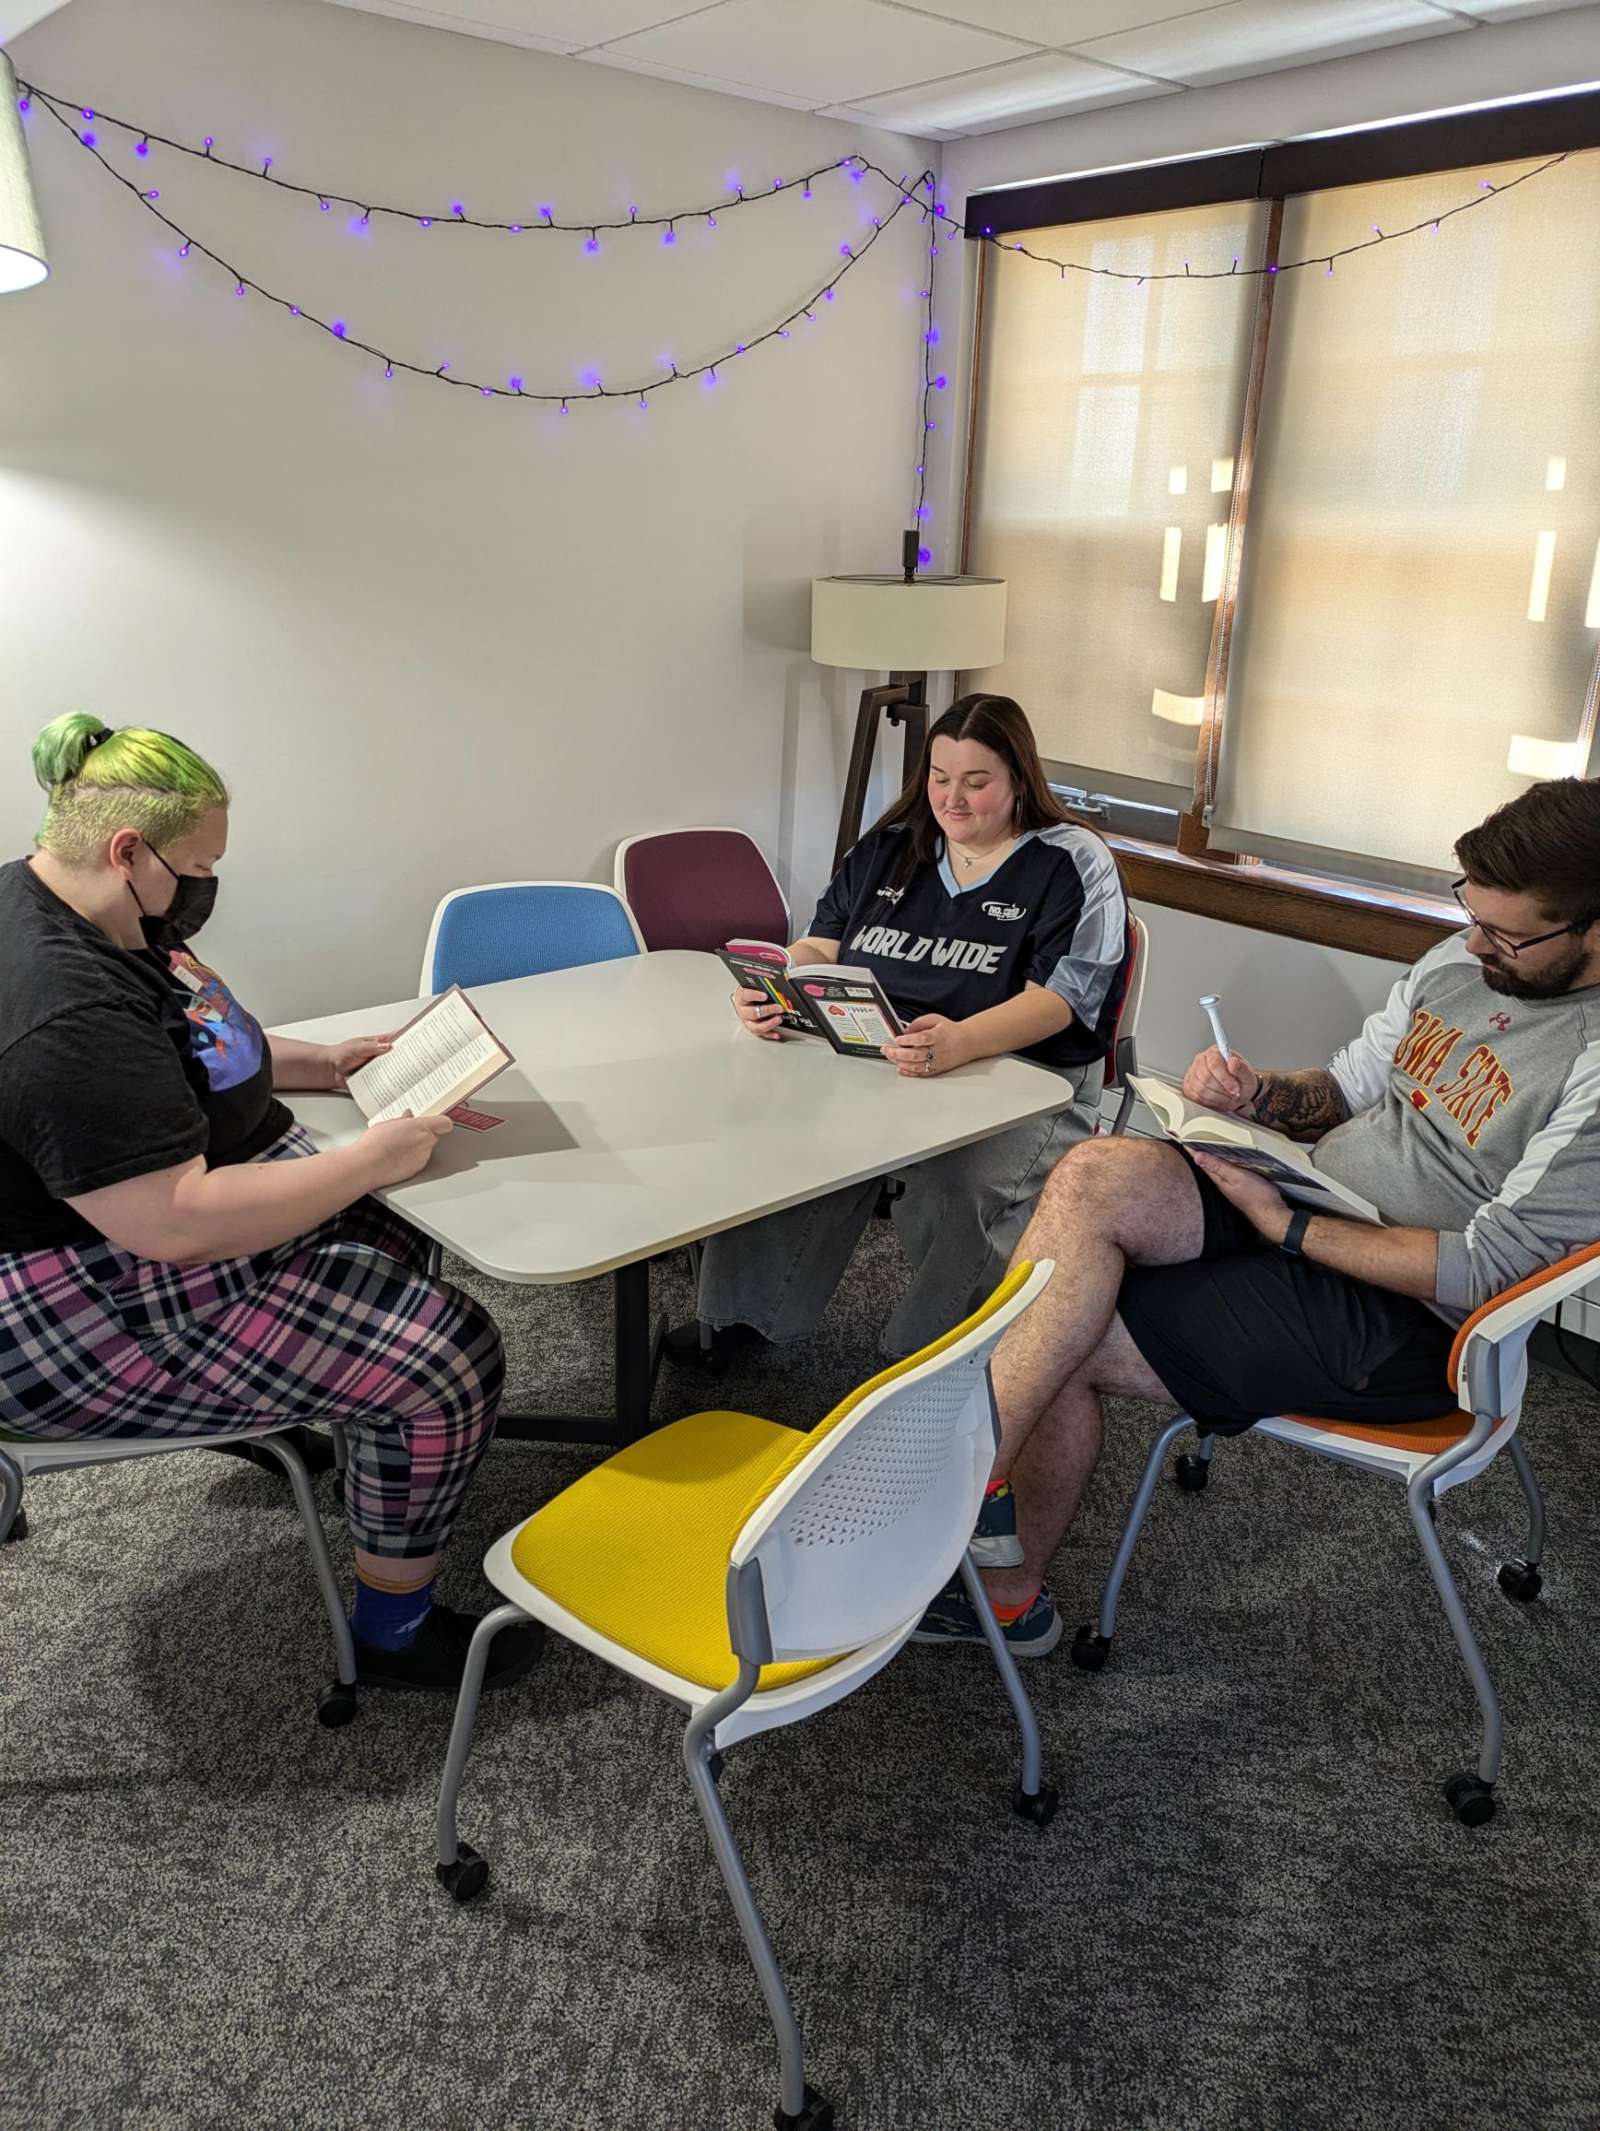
pixel 641 1116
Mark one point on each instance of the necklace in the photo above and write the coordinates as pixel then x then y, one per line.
pixel 976 858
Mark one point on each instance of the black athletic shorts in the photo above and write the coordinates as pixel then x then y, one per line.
pixel 1245 1331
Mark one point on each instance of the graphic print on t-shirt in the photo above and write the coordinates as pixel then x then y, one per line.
pixel 226 1038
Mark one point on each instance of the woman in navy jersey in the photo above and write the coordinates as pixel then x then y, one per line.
pixel 994 924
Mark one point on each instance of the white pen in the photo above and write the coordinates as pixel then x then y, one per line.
pixel 1212 1002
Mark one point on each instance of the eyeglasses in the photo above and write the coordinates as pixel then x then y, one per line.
pixel 1503 940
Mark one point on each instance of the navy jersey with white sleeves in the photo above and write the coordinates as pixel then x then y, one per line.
pixel 1051 913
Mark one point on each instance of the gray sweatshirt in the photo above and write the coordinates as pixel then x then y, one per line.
pixel 1478 1116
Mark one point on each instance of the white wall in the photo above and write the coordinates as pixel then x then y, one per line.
pixel 431 638
pixel 1286 1003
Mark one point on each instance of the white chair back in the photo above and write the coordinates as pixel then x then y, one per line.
pixel 858 1538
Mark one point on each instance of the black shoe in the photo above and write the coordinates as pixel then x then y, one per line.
pixel 435 1661
pixel 702 1347
pixel 315 1448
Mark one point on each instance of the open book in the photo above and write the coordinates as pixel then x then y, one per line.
pixel 441 1056
pixel 1257 1147
pixel 845 1005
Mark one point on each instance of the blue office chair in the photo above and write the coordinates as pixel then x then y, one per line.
pixel 523 929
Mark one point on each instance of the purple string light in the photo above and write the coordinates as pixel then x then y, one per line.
pixel 857 167
pixel 338 330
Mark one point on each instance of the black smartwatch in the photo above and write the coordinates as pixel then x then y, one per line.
pixel 1294 1236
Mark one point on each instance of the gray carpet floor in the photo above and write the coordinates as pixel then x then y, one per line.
pixel 1252 1911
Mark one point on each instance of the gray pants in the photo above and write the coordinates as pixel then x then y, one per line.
pixel 958 1220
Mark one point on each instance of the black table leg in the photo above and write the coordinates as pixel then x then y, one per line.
pixel 637 1344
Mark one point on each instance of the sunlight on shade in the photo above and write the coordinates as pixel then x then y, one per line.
pixel 1544 758
pixel 1178 481
pixel 1221 476
pixel 1177 710
pixel 1555 474
pixel 1171 550
pixel 1591 613
pixel 1216 562
pixel 1544 556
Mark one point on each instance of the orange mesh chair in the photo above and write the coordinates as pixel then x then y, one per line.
pixel 1489 1372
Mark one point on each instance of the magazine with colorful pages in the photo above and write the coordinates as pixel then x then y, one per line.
pixel 818 998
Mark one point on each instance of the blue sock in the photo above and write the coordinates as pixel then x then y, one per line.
pixel 389 1620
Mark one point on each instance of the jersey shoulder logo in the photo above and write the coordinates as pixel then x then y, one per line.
pixel 1008 911
pixel 891 895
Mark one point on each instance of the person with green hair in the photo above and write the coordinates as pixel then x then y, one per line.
pixel 176 1258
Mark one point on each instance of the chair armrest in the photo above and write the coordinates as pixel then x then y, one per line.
pixel 1516 1311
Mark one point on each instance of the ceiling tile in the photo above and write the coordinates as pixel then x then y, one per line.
pixel 825 51
pixel 577 22
pixel 994 97
pixel 620 57
pixel 1257 36
pixel 1510 10
pixel 1050 22
pixel 473 18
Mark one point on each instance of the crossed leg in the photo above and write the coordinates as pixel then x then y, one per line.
pixel 1108 1204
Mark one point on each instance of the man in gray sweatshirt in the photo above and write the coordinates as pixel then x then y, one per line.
pixel 1467 1110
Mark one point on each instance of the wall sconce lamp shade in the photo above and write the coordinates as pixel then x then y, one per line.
pixel 932 625
pixel 906 627
pixel 22 253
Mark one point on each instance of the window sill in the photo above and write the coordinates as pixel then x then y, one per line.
pixel 1389 923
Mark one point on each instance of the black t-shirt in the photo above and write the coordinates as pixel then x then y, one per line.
pixel 1052 913
pixel 113 1064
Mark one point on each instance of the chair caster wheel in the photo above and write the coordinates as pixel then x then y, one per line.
pixel 337 1705
pixel 19 1527
pixel 466 1879
pixel 1520 1580
pixel 1191 1473
pixel 1470 1799
pixel 1090 1649
pixel 816 2114
pixel 1038 1806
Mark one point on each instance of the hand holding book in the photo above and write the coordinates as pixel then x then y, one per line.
pixel 442 1056
pixel 845 1005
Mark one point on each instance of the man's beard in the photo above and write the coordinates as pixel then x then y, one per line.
pixel 1548 984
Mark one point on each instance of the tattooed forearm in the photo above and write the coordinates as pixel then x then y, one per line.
pixel 1305 1105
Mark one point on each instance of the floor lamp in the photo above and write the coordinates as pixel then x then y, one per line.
pixel 22 255
pixel 906 627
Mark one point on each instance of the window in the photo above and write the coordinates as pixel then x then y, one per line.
pixel 1107 427
pixel 1420 607
pixel 1305 568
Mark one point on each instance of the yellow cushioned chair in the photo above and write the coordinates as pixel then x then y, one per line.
pixel 757 1576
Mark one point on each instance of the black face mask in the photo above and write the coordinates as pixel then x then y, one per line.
pixel 193 901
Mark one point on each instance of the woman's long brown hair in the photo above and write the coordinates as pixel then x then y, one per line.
pixel 1000 725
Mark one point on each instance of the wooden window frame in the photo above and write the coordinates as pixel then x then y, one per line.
pixel 1234 887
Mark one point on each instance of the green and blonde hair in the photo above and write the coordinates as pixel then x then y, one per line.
pixel 100 781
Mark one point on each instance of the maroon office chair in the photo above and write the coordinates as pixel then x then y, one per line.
pixel 699 888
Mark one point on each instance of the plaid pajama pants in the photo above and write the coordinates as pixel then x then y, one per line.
pixel 341 1324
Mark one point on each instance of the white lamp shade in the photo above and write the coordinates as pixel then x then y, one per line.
pixel 22 253
pixel 932 625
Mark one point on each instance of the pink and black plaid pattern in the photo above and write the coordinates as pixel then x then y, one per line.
pixel 342 1324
